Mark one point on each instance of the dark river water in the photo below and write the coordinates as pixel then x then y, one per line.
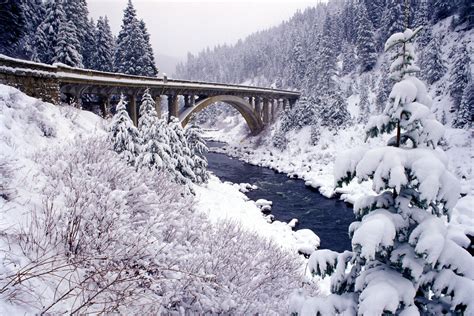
pixel 328 218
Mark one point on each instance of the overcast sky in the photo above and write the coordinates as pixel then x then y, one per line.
pixel 179 26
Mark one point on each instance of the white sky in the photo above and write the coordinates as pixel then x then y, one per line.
pixel 179 26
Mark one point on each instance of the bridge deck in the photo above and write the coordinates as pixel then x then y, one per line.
pixel 76 76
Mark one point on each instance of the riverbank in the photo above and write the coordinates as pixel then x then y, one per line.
pixel 315 163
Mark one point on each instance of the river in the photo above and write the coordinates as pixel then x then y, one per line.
pixel 328 218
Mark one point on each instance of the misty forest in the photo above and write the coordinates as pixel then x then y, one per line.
pixel 321 166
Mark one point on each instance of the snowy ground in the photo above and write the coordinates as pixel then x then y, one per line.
pixel 29 126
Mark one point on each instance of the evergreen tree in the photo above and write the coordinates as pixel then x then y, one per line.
pixel 150 66
pixel 366 51
pixel 460 75
pixel 199 149
pixel 66 49
pixel 466 13
pixel 392 19
pixel 89 45
pixel 375 11
pixel 364 103
pixel 348 59
pixel 297 63
pixel 132 56
pixel 155 151
pixel 465 115
pixel 181 158
pixel 104 52
pixel 432 62
pixel 47 35
pixel 76 11
pixel 33 12
pixel 12 25
pixel 332 110
pixel 405 259
pixel 422 18
pixel 122 134
pixel 441 9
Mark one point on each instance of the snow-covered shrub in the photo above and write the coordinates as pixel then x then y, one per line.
pixel 107 238
pixel 5 175
pixel 406 255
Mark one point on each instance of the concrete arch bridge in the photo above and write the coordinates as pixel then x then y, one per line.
pixel 53 83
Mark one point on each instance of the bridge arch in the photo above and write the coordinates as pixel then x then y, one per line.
pixel 254 122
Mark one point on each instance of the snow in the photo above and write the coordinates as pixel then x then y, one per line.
pixel 31 131
pixel 223 201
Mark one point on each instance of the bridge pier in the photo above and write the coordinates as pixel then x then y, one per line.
pixel 158 105
pixel 132 108
pixel 258 107
pixel 187 101
pixel 173 106
pixel 252 102
pixel 266 111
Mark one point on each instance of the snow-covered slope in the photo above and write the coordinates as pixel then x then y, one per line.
pixel 79 228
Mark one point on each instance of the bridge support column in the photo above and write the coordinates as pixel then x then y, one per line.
pixel 192 100
pixel 104 105
pixel 252 102
pixel 158 105
pixel 173 106
pixel 132 109
pixel 187 101
pixel 258 107
pixel 266 111
pixel 274 109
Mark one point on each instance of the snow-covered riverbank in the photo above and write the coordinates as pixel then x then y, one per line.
pixel 315 164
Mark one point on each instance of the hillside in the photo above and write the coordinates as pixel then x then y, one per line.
pixel 80 228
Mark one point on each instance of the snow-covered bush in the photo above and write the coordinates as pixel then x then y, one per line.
pixel 406 256
pixel 107 238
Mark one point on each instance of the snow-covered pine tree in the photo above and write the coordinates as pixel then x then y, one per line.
pixel 375 11
pixel 364 103
pixel 332 110
pixel 65 51
pixel 155 151
pixel 122 134
pixel 150 66
pixel 366 50
pixel 460 75
pixel 297 66
pixel 407 258
pixel 47 34
pixel 422 18
pixel 12 24
pixel 466 13
pixel 104 52
pixel 77 12
pixel 198 147
pixel 432 64
pixel 348 59
pixel 465 115
pixel 392 19
pixel 131 53
pixel 441 9
pixel 33 12
pixel 384 87
pixel 181 157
